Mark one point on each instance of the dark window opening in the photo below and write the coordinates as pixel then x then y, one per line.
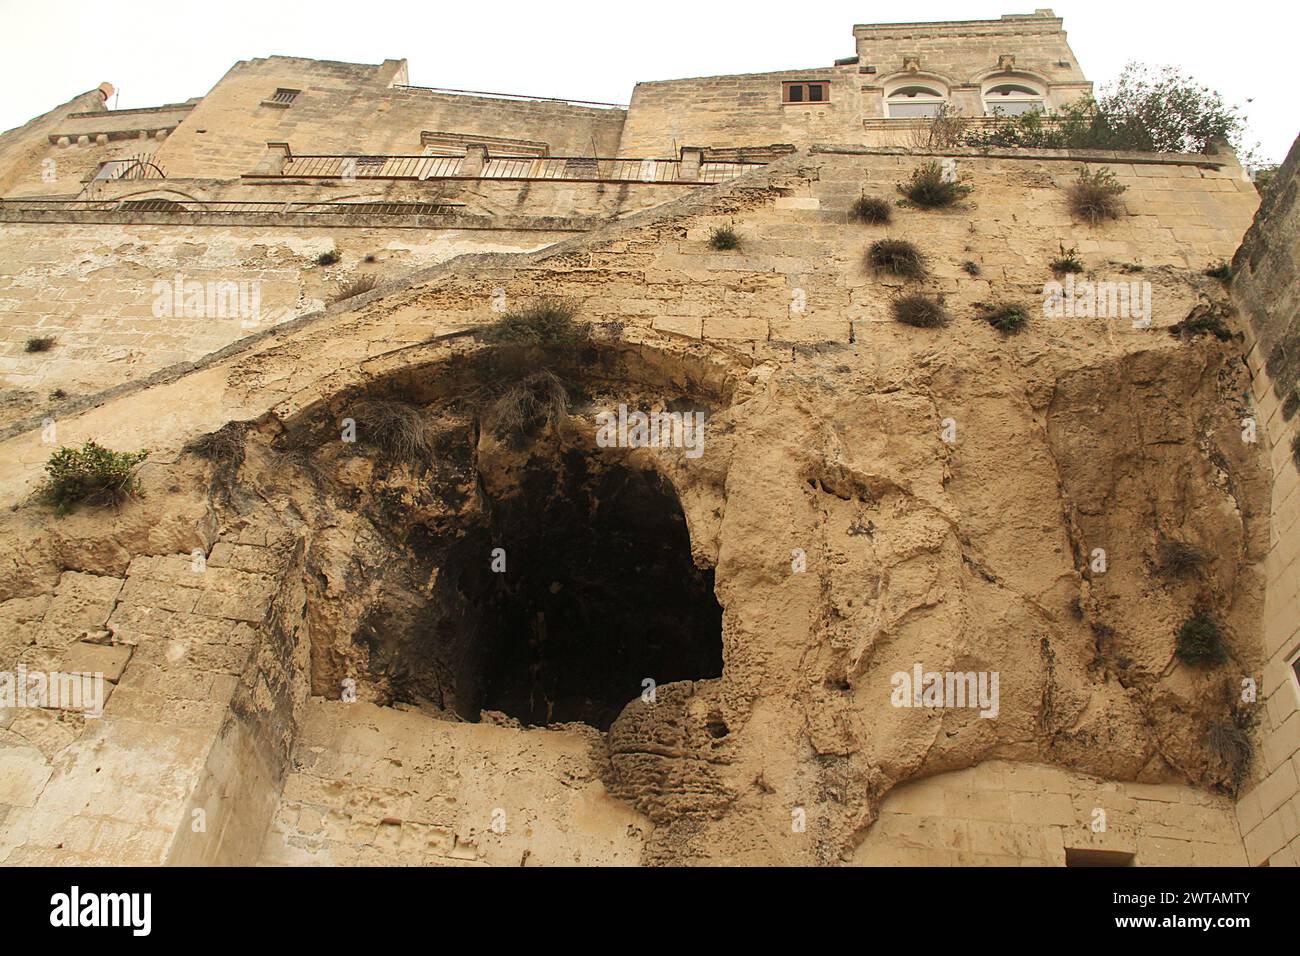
pixel 1090 857
pixel 806 92
pixel 600 593
pixel 281 97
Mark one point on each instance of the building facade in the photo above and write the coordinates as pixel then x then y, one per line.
pixel 289 625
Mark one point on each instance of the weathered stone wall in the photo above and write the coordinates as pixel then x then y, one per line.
pixel 831 440
pixel 961 55
pixel 91 287
pixel 24 149
pixel 1266 289
pixel 743 110
pixel 357 109
pixel 747 109
pixel 87 278
pixel 388 787
pixel 1024 814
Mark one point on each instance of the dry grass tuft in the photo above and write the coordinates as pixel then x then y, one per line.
pixel 536 401
pixel 897 257
pixel 357 286
pixel 1094 197
pixel 395 428
pixel 920 312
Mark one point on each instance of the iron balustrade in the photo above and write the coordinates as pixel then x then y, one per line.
pixel 559 168
pixel 155 204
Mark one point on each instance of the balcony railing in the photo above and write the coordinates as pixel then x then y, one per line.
pixel 514 96
pixel 159 205
pixel 555 168
pixel 372 167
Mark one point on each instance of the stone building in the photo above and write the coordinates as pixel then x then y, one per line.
pixel 312 652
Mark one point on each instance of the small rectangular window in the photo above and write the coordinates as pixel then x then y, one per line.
pixel 805 92
pixel 281 98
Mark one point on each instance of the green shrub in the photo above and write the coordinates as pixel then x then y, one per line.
pixel 928 189
pixel 1295 449
pixel 1145 110
pixel 545 321
pixel 1200 642
pixel 724 238
pixel 971 267
pixel 897 257
pixel 91 474
pixel 42 343
pixel 872 210
pixel 328 258
pixel 1067 261
pixel 1007 319
pixel 919 311
pixel 1094 196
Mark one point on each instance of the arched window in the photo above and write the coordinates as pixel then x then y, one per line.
pixel 1012 99
pixel 908 101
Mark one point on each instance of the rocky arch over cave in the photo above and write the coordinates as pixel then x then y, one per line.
pixel 493 563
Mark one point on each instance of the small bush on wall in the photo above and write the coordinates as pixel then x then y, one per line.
pixel 871 210
pixel 724 238
pixel 91 474
pixel 1200 642
pixel 1094 196
pixel 919 311
pixel 897 257
pixel 930 189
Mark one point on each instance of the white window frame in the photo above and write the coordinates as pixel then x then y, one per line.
pixel 935 98
pixel 1032 97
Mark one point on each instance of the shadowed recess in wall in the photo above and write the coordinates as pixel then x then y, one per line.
pixel 504 562
pixel 602 595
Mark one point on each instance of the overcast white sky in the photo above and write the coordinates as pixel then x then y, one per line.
pixel 161 52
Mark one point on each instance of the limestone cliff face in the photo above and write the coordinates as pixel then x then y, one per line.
pixel 870 497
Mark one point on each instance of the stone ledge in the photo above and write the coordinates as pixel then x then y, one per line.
pixel 1068 155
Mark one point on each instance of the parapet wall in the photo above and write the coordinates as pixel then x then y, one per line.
pixel 358 110
pixel 1266 290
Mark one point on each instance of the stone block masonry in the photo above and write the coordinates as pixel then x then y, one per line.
pixel 1266 287
pixel 208 667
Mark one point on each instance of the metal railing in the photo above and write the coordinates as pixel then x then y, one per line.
pixel 560 168
pixel 513 96
pixel 157 205
pixel 130 167
pixel 373 167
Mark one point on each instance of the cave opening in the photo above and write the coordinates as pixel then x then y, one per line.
pixel 599 594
